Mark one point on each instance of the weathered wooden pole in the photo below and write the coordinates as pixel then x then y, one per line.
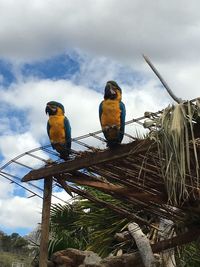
pixel 43 257
pixel 143 245
pixel 178 100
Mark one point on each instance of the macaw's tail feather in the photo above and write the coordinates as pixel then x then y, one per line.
pixel 113 144
pixel 64 156
pixel 63 149
pixel 113 136
pixel 64 153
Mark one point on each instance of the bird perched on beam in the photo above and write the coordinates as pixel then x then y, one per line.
pixel 112 114
pixel 58 129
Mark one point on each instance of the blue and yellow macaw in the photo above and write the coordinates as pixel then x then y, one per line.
pixel 58 129
pixel 112 114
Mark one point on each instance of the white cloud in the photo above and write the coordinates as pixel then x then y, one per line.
pixel 96 71
pixel 123 30
pixel 16 144
pixel 169 32
pixel 60 197
pixel 6 189
pixel 182 79
pixel 20 212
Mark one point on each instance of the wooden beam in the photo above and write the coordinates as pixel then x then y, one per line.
pixel 179 240
pixel 89 159
pixel 128 192
pixel 43 257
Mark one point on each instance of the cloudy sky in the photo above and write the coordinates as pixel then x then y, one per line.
pixel 66 51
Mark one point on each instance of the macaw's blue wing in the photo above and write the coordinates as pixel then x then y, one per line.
pixel 67 133
pixel 122 121
pixel 48 129
pixel 100 110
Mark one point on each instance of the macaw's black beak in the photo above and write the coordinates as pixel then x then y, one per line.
pixel 47 110
pixel 50 110
pixel 110 93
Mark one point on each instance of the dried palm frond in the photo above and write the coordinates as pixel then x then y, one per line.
pixel 174 134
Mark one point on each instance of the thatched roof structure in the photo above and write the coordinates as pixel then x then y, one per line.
pixel 133 173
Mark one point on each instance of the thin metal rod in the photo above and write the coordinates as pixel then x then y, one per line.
pixel 130 136
pixel 37 157
pixel 21 164
pixel 29 183
pixel 98 137
pixel 50 151
pixel 23 154
pixel 21 186
pixel 83 144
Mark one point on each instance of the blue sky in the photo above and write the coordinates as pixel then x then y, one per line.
pixel 62 66
pixel 60 50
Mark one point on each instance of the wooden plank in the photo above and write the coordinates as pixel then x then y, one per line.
pixel 89 159
pixel 43 257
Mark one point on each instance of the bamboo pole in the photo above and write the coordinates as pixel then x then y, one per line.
pixel 43 257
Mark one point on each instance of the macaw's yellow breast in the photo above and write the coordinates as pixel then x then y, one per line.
pixel 110 113
pixel 57 129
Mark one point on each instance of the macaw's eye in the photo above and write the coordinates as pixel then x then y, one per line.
pixel 53 108
pixel 112 91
